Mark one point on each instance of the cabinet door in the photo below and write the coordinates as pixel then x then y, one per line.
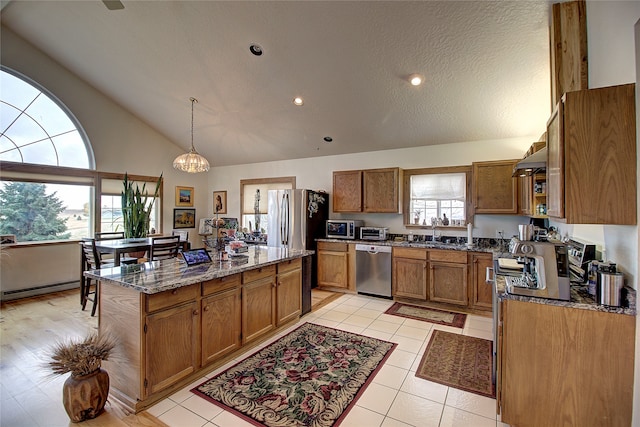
pixel 482 297
pixel 289 296
pixel 555 164
pixel 495 191
pixel 448 283
pixel 409 278
pixel 258 308
pixel 525 184
pixel 221 323
pixel 171 342
pixel 333 269
pixel 347 191
pixel 381 190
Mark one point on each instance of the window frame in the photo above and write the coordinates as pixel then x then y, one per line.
pixel 287 180
pixel 27 172
pixel 406 190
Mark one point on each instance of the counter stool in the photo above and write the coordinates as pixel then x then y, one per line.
pixel 91 261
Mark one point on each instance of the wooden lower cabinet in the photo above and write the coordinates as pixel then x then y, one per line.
pixel 258 303
pixel 448 283
pixel 480 292
pixel 289 291
pixel 564 365
pixel 333 265
pixel 409 275
pixel 175 330
pixel 221 324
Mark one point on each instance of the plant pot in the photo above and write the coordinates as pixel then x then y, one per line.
pixel 84 396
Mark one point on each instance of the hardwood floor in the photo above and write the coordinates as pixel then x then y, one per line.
pixel 30 395
pixel 320 298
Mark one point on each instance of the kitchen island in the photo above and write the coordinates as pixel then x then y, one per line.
pixel 174 321
pixel 564 360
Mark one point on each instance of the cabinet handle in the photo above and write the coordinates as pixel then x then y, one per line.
pixel 206 308
pixel 489 277
pixel 174 292
pixel 195 312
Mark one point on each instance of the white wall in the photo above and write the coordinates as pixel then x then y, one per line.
pixel 121 143
pixel 316 174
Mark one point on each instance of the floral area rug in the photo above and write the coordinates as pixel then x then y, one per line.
pixel 428 314
pixel 310 377
pixel 458 361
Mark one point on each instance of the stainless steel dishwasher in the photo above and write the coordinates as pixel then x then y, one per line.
pixel 373 270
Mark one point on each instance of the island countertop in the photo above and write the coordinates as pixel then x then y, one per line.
pixel 158 276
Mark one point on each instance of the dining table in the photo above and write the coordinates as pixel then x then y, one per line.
pixel 117 247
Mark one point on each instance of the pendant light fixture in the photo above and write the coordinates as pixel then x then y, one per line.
pixel 191 162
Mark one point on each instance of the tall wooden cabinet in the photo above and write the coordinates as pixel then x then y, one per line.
pixel 370 190
pixel 495 191
pixel 591 164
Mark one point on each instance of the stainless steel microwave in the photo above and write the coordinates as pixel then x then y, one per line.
pixel 343 228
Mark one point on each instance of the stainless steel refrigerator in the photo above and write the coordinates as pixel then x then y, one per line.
pixel 296 219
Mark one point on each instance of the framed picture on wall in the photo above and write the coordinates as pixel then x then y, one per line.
pixel 184 196
pixel 184 218
pixel 220 202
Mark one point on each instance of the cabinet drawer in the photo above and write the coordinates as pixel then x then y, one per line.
pixel 333 246
pixel 258 273
pixel 292 264
pixel 172 297
pixel 448 256
pixel 412 253
pixel 216 285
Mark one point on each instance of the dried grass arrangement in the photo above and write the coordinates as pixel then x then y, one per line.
pixel 81 356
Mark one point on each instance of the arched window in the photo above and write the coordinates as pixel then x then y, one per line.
pixel 37 128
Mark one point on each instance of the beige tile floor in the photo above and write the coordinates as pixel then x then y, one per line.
pixel 395 398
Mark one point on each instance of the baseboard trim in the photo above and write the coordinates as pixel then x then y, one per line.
pixel 37 290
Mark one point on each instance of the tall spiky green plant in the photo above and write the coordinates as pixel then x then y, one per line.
pixel 136 208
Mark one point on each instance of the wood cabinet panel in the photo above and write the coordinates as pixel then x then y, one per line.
pixel 333 269
pixel 409 275
pixel 459 257
pixel 258 308
pixel 333 246
pixel 347 191
pixel 448 283
pixel 289 295
pixel 495 191
pixel 582 362
pixel 171 297
pixel 568 43
pixel 592 157
pixel 171 343
pixel 220 284
pixel 381 190
pixel 525 185
pixel 481 291
pixel 258 273
pixel 221 323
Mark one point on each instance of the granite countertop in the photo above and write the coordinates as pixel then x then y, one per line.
pixel 580 298
pixel 159 276
pixel 454 244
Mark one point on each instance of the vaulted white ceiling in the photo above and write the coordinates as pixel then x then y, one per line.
pixel 486 68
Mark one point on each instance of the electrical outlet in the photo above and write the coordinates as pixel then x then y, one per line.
pixel 499 234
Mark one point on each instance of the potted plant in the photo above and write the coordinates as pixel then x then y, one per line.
pixel 85 392
pixel 136 208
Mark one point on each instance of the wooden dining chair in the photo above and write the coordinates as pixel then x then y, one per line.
pixel 91 261
pixel 114 235
pixel 164 247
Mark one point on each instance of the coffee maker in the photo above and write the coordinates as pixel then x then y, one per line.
pixel 545 270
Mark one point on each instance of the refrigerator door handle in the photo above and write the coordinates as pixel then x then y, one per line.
pixel 287 219
pixel 282 220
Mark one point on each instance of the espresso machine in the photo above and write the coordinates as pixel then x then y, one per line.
pixel 545 270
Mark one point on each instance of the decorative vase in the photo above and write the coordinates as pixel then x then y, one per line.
pixel 84 396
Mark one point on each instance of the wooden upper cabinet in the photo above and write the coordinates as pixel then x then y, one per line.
pixel 591 165
pixel 525 198
pixel 347 191
pixel 495 191
pixel 370 190
pixel 568 40
pixel 381 190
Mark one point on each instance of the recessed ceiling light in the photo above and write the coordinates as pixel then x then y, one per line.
pixel 298 101
pixel 416 79
pixel 327 139
pixel 255 49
